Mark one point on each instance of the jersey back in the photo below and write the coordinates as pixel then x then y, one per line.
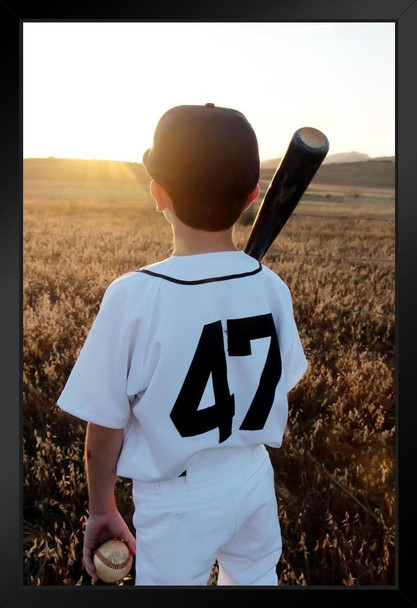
pixel 191 353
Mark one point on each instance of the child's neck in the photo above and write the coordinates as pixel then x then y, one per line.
pixel 189 241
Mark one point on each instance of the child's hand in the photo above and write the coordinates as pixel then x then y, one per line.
pixel 100 528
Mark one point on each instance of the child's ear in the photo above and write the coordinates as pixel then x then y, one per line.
pixel 252 196
pixel 160 196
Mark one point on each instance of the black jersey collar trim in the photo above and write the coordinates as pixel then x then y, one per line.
pixel 201 281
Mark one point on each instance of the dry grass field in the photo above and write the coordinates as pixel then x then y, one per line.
pixel 335 473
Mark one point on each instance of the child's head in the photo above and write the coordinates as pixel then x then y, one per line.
pixel 207 160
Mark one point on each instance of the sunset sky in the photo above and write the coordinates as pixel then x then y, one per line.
pixel 97 90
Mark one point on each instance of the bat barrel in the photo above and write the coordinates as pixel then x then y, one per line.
pixel 306 151
pixel 313 139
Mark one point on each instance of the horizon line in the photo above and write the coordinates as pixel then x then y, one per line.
pixel 271 158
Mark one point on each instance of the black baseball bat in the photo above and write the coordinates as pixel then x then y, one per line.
pixel 305 153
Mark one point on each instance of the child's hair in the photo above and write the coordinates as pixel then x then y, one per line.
pixel 207 159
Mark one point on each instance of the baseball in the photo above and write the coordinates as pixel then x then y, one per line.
pixel 112 560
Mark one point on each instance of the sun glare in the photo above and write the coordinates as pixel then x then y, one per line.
pixel 102 97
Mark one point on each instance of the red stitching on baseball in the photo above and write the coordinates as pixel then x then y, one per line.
pixel 110 564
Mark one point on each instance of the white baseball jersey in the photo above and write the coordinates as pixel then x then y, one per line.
pixel 185 355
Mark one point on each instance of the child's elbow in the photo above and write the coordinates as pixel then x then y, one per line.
pixel 102 431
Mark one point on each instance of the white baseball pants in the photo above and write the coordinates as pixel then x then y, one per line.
pixel 224 508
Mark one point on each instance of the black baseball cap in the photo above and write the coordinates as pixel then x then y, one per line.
pixel 200 147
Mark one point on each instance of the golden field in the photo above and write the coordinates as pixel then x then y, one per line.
pixel 335 473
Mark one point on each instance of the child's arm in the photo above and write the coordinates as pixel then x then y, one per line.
pixel 102 449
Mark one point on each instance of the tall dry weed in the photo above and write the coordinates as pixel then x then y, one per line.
pixel 334 474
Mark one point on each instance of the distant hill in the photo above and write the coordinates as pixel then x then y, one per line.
pixel 80 170
pixel 346 157
pixel 364 174
pixel 66 179
pixel 341 157
pixel 388 159
pixel 374 173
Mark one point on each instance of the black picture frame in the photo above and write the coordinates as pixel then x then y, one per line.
pixel 13 14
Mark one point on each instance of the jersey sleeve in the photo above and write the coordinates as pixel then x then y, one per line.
pixel 294 360
pixel 96 388
pixel 295 364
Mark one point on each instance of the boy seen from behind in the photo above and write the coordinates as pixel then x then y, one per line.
pixel 184 376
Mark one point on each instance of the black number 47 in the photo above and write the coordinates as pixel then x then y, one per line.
pixel 209 358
